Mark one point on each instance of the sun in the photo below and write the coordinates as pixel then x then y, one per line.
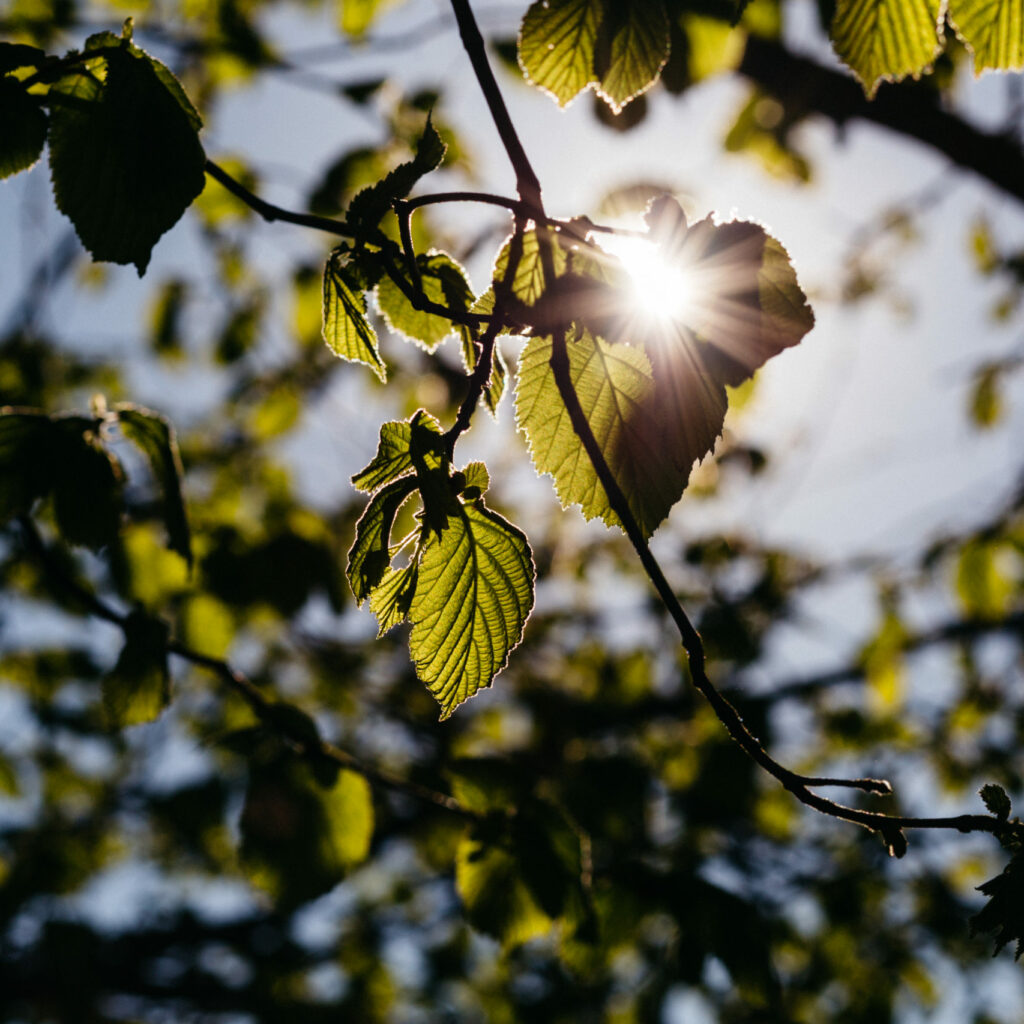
pixel 662 291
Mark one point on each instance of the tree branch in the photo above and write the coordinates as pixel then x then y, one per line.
pixel 262 706
pixel 911 110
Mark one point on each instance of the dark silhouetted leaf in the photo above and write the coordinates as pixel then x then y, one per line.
pixel 137 689
pixel 154 436
pixel 124 153
pixel 23 126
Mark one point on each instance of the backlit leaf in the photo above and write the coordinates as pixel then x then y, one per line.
pixel 556 45
pixel 124 154
pixel 23 126
pixel 612 383
pixel 1004 912
pixel 993 30
pixel 370 556
pixel 390 601
pixel 155 437
pixel 402 445
pixel 657 405
pixel 886 40
pixel 473 594
pixel 632 49
pixel 442 281
pixel 345 328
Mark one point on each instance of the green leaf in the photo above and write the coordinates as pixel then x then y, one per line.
pixel 369 205
pixel 528 282
pixel 886 40
pixel 402 445
pixel 391 600
pixel 656 406
pixel 556 46
pixel 632 48
pixel 356 16
pixel 982 586
pixel 612 382
pixel 995 799
pixel 345 328
pixel 300 837
pixel 986 401
pixel 473 594
pixel 370 555
pixel 993 31
pixel 443 281
pixel 137 689
pixel 154 436
pixel 23 125
pixel 124 154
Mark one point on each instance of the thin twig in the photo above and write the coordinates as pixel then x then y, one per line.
pixel 262 705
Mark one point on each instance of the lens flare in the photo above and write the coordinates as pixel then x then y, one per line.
pixel 662 291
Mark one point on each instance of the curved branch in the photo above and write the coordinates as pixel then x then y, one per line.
pixel 262 705
pixel 912 111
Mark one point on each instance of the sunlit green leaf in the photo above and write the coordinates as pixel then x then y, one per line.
pixel 993 30
pixel 23 125
pixel 632 48
pixel 346 330
pixel 154 435
pixel 556 45
pixel 886 40
pixel 124 154
pixel 473 594
pixel 391 599
pixel 612 383
pixel 402 444
pixel 442 281
pixel 370 555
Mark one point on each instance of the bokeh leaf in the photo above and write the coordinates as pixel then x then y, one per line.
pixel 137 689
pixel 154 435
pixel 299 836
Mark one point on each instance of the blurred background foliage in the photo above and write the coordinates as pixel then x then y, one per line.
pixel 197 868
